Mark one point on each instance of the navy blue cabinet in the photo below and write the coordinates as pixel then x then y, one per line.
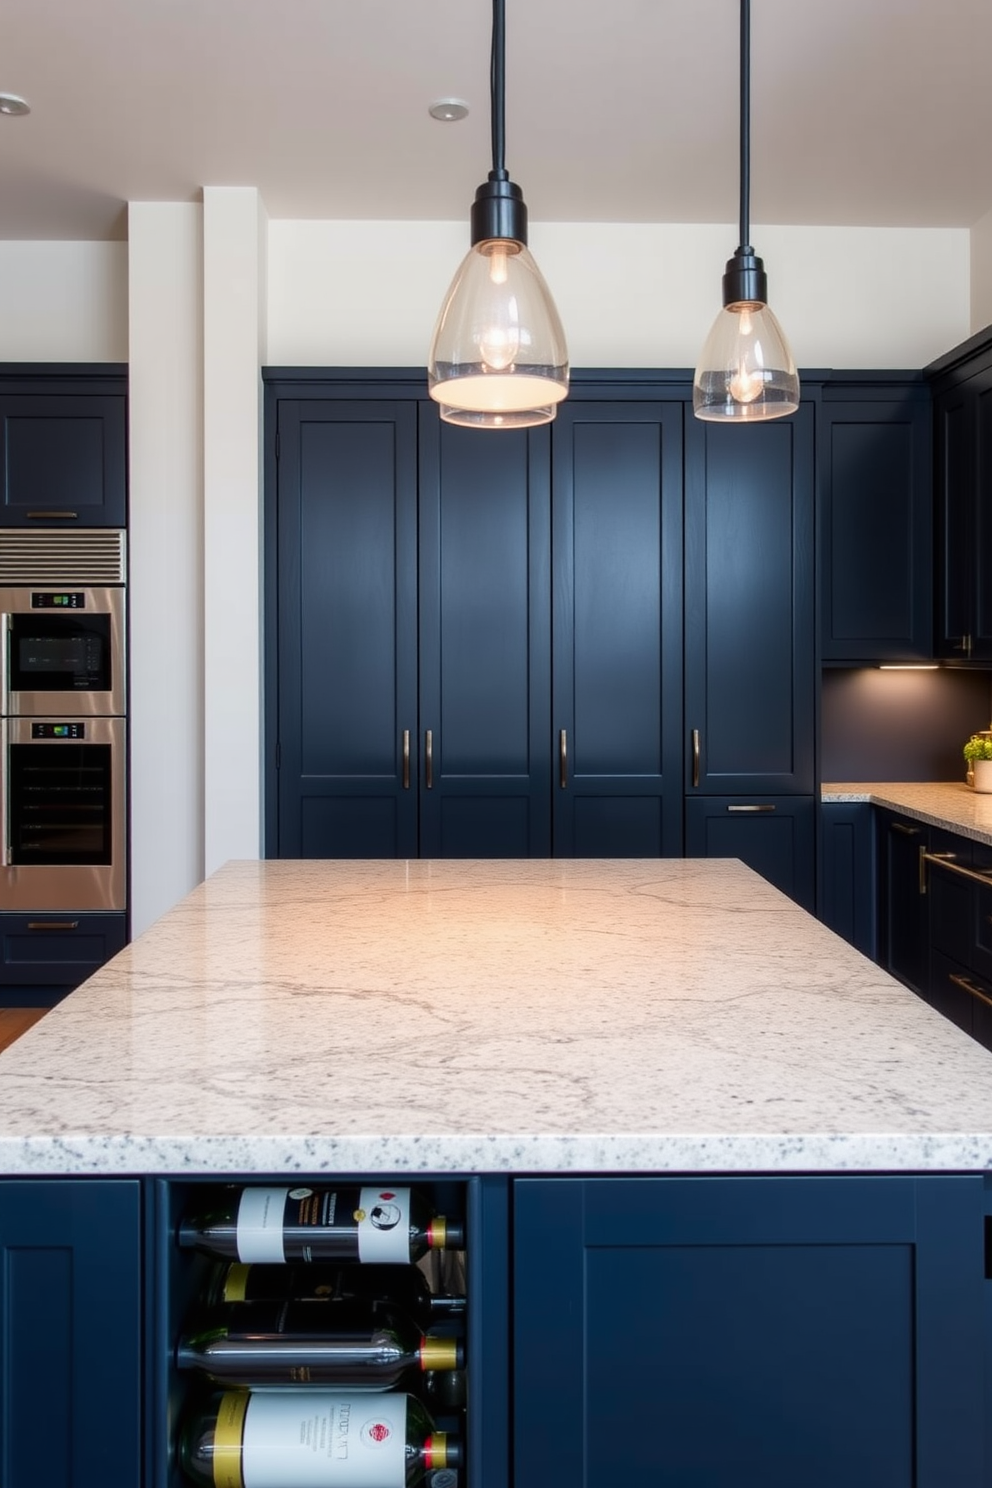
pixel 45 956
pixel 617 596
pixel 749 657
pixel 756 1331
pixel 63 448
pixel 962 389
pixel 875 489
pixel 484 575
pixel 846 883
pixel 71 1301
pixel 772 835
pixel 346 536
pixel 903 907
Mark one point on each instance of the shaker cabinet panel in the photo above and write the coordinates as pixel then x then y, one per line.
pixel 347 628
pixel 773 836
pixel 749 679
pixel 617 608
pixel 63 458
pixel 833 1327
pixel 876 538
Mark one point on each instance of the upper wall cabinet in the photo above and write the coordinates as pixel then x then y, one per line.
pixel 962 388
pixel 63 449
pixel 875 502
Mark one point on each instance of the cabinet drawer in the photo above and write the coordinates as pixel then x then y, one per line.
pixel 950 993
pixel 57 950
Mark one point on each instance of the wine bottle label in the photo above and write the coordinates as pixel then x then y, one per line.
pixel 324 1439
pixel 384 1224
pixel 367 1224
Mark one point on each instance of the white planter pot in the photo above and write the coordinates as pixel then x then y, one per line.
pixel 983 775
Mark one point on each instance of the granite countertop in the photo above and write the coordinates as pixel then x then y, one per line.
pixel 950 804
pixel 673 1015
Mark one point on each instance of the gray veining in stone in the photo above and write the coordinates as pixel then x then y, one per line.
pixel 455 1016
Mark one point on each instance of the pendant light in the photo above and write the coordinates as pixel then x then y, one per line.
pixel 498 358
pixel 746 371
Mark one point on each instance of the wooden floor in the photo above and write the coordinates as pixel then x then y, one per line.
pixel 15 1021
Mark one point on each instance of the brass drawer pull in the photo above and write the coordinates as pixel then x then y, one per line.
pixel 945 860
pixel 906 831
pixel 563 759
pixel 52 516
pixel 406 759
pixel 53 924
pixel 751 808
pixel 963 982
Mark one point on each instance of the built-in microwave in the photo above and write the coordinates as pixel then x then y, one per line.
pixel 62 814
pixel 62 650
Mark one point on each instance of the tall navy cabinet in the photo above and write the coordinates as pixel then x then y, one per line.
pixel 617 703
pixel 749 647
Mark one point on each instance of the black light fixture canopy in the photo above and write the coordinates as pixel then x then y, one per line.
pixel 746 371
pixel 498 358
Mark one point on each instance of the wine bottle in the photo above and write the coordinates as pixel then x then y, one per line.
pixel 405 1286
pixel 296 1438
pixel 351 1342
pixel 318 1224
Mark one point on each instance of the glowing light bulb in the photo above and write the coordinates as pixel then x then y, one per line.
pixel 497 264
pixel 748 378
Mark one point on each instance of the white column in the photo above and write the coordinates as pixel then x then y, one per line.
pixel 165 595
pixel 234 281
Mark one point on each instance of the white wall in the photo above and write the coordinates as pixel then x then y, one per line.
pixel 367 293
pixel 981 274
pixel 63 302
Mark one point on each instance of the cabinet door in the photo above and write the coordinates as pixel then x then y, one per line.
pixel 846 878
pixel 903 902
pixel 44 956
pixel 774 837
pixel 749 607
pixel 980 389
pixel 64 460
pixel 876 542
pixel 617 497
pixel 760 1332
pixel 954 423
pixel 347 629
pixel 484 642
pixel 70 1318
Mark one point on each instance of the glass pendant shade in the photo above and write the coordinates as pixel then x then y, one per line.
pixel 498 358
pixel 746 370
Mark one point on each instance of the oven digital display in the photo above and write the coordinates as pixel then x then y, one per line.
pixel 64 601
pixel 58 731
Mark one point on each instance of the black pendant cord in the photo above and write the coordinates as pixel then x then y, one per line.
pixel 745 246
pixel 497 90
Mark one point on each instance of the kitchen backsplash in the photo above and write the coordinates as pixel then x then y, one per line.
pixel 900 725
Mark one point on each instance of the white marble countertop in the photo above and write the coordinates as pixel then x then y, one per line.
pixel 949 804
pixel 451 1016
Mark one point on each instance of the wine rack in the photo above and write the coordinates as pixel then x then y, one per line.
pixel 185 1276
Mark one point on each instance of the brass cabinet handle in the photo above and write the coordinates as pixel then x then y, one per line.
pixel 924 855
pixel 406 759
pixel 906 831
pixel 751 808
pixel 53 924
pixel 429 760
pixel 52 516
pixel 695 756
pixel 946 860
pixel 964 644
pixel 963 982
pixel 563 759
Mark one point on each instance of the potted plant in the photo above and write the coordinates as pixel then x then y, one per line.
pixel 978 753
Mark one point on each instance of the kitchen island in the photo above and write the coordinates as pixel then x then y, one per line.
pixel 716 1165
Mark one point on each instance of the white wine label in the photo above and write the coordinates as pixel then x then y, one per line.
pixel 324 1439
pixel 260 1225
pixel 384 1224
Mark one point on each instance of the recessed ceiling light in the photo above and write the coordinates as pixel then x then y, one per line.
pixel 448 110
pixel 12 105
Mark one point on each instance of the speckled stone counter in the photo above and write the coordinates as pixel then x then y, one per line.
pixel 949 804
pixel 569 1015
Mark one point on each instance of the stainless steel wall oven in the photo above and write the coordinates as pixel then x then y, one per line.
pixel 63 734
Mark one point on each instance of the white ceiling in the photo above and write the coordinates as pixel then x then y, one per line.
pixel 864 112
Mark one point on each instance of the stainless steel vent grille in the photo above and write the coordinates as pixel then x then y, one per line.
pixel 96 556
